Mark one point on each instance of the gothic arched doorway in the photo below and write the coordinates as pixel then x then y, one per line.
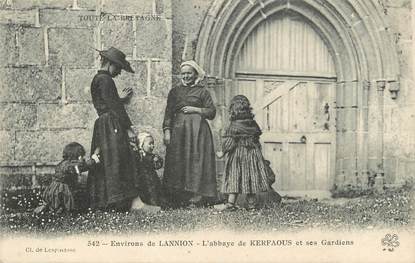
pixel 309 67
pixel 287 72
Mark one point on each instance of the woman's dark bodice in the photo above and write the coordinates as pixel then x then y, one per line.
pixel 106 99
pixel 182 96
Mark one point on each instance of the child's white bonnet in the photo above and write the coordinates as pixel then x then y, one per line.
pixel 141 137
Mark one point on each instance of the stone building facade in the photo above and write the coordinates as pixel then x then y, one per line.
pixel 48 60
pixel 357 128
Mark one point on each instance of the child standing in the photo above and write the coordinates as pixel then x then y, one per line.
pixel 59 194
pixel 245 170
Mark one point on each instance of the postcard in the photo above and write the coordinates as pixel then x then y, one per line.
pixel 207 131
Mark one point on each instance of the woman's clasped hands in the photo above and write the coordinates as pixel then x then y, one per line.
pixel 190 109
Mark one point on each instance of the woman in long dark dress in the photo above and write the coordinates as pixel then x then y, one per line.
pixel 190 170
pixel 112 184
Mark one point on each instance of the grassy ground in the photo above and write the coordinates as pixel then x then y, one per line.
pixel 394 208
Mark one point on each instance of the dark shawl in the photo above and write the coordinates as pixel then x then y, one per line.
pixel 241 133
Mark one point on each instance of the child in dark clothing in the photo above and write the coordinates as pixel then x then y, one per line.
pixel 149 163
pixel 148 182
pixel 58 196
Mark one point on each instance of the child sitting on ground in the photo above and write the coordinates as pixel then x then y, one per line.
pixel 149 163
pixel 58 196
pixel 148 183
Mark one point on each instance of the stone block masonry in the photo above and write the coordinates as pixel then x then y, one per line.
pixel 71 46
pixel 160 78
pixel 399 114
pixel 19 17
pixel 158 33
pixel 30 84
pixel 138 6
pixel 137 81
pixel 47 62
pixel 7 143
pixel 17 116
pixel 119 34
pixel 66 116
pixel 23 4
pixel 45 146
pixel 77 84
pixel 31 46
pixel 8 52
pixel 66 18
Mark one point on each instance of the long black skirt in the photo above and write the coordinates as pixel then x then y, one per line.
pixel 113 181
pixel 190 157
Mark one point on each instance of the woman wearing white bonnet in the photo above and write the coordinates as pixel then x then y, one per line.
pixel 199 71
pixel 190 170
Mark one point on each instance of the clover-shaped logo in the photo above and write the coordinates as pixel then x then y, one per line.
pixel 390 242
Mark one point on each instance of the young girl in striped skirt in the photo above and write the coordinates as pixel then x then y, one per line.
pixel 245 169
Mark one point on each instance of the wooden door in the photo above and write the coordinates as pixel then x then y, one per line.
pixel 286 71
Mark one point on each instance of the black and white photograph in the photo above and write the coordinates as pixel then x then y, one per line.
pixel 207 131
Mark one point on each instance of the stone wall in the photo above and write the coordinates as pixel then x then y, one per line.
pixel 47 62
pixel 188 16
pixel 399 114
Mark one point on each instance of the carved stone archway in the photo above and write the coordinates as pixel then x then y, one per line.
pixel 364 56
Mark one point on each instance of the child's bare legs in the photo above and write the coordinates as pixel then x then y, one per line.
pixel 230 205
pixel 251 200
pixel 138 204
pixel 232 198
pixel 195 199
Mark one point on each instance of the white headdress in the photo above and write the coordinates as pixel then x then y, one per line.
pixel 200 72
pixel 141 137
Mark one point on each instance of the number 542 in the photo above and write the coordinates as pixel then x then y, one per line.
pixel 93 243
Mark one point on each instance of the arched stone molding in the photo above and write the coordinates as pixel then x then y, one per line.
pixel 354 31
pixel 363 53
